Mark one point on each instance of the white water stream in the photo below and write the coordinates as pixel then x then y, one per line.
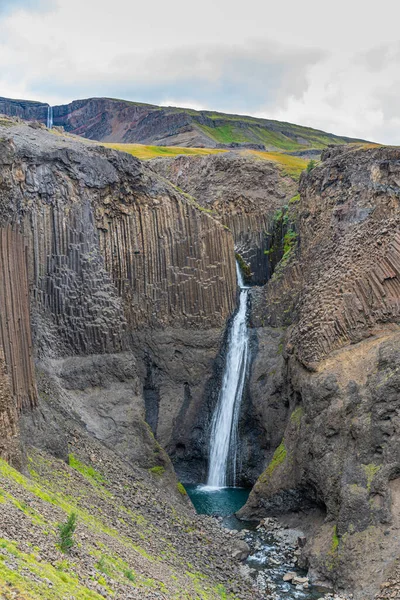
pixel 50 117
pixel 223 441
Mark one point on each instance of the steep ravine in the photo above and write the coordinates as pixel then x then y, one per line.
pixel 115 292
pixel 116 289
pixel 332 396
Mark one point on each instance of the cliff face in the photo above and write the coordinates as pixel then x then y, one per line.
pixel 24 109
pixel 339 380
pixel 110 120
pixel 107 250
pixel 244 192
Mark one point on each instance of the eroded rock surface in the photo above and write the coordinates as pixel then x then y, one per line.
pixel 244 192
pixel 112 254
pixel 339 453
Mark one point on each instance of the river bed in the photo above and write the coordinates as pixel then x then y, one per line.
pixel 273 553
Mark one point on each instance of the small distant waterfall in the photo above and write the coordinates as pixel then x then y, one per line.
pixel 223 442
pixel 50 117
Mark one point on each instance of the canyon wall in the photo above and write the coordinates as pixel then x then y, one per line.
pixel 125 275
pixel 338 300
pixel 243 192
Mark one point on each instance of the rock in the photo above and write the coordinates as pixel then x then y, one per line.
pixel 241 550
pixel 289 576
pixel 324 406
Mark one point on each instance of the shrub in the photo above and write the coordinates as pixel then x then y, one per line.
pixel 311 165
pixel 130 575
pixel 66 533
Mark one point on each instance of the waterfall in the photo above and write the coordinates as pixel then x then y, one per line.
pixel 50 117
pixel 223 442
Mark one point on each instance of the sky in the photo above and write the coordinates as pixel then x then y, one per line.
pixel 333 66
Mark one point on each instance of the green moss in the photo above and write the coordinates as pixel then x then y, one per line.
pixel 297 415
pixel 244 267
pixel 289 242
pixel 294 199
pixel 332 556
pixel 278 458
pixel 88 472
pixel 370 471
pixel 335 541
pixel 158 470
pixel 181 489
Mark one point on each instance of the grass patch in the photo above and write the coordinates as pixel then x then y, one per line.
pixel 148 152
pixel 181 489
pixel 159 470
pixel 278 458
pixel 87 472
pixel 292 166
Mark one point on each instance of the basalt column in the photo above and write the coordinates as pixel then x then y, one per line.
pixel 17 379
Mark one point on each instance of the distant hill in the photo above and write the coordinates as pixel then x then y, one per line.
pixel 121 121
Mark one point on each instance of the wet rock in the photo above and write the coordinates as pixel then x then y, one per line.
pixel 241 550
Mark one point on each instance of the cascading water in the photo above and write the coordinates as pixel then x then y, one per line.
pixel 50 117
pixel 223 442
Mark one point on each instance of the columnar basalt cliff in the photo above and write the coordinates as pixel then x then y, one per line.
pixel 243 191
pixel 17 378
pixel 339 381
pixel 111 251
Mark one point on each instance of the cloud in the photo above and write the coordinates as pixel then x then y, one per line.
pixel 273 60
pixel 9 6
pixel 234 77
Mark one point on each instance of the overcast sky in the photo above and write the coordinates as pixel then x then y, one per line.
pixel 329 65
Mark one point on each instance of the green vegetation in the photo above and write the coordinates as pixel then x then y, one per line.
pixel 181 489
pixel 335 541
pixel 244 267
pixel 5 122
pixel 295 199
pixel 66 534
pixel 88 472
pixel 158 470
pixel 289 242
pixel 278 458
pixel 56 487
pixel 147 152
pixel 370 471
pixel 129 574
pixel 297 415
pixel 292 166
pixel 311 165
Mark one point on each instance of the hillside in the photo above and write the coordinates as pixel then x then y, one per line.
pixel 111 120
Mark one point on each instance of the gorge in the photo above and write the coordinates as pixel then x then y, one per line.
pixel 124 337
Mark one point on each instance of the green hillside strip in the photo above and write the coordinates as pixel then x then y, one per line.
pixel 116 551
pixel 147 152
pixel 290 165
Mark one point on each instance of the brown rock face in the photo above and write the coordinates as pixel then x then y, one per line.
pixel 24 109
pixel 243 192
pixel 111 249
pixel 111 120
pixel 340 452
pixel 17 378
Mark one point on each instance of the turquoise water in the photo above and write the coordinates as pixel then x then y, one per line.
pixel 266 558
pixel 221 502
